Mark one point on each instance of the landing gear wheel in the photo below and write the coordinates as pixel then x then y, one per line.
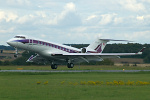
pixel 54 66
pixel 15 55
pixel 70 65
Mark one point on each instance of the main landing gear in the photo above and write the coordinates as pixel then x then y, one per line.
pixel 69 65
pixel 54 66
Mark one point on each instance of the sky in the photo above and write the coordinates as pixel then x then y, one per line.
pixel 75 21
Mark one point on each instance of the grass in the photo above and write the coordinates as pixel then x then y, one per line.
pixel 45 86
pixel 76 67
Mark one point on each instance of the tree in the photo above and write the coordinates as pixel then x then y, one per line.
pixel 1 63
pixel 146 55
pixel 147 59
pixel 6 63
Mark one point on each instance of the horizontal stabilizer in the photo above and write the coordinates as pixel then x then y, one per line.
pixel 114 40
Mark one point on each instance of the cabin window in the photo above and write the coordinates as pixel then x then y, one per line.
pixel 30 41
pixel 68 50
pixel 65 49
pixel 34 41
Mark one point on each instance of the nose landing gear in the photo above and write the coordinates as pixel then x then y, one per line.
pixel 16 54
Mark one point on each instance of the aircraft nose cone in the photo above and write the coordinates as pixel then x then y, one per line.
pixel 10 42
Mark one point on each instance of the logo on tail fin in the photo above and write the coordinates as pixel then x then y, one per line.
pixel 100 47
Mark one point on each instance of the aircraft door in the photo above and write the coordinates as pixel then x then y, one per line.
pixel 30 44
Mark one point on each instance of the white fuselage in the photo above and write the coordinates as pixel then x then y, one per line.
pixel 41 47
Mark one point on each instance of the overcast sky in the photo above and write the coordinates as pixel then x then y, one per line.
pixel 75 21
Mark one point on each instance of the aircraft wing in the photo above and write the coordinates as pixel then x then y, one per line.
pixel 86 57
pixel 99 54
pixel 79 57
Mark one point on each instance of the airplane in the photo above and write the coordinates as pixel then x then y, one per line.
pixel 58 53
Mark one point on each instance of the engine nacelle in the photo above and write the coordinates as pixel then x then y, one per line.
pixel 83 50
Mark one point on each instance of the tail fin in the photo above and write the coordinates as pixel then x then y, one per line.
pixel 99 45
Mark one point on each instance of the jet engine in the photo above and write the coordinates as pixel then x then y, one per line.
pixel 83 50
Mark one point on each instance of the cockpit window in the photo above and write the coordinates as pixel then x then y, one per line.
pixel 17 37
pixel 20 37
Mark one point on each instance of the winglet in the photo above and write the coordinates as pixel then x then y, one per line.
pixel 141 51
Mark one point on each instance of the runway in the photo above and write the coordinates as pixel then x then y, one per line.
pixel 71 71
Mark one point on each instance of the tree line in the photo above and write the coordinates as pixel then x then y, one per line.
pixel 110 48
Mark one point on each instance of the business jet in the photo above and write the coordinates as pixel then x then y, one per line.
pixel 57 53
